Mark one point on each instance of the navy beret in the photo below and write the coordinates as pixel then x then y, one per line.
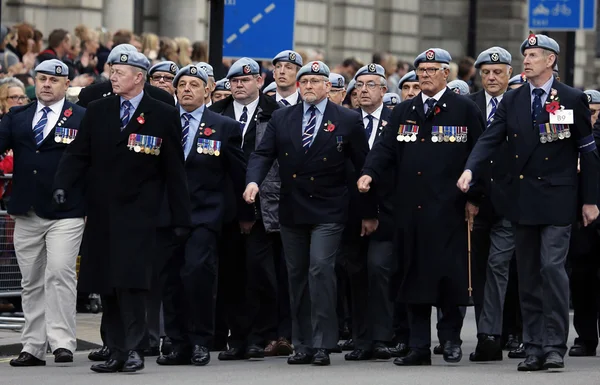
pixel 518 79
pixel 206 67
pixel 271 87
pixel 118 50
pixel 314 68
pixel 371 69
pixel 391 99
pixel 223 85
pixel 494 55
pixel 288 56
pixel 593 96
pixel 336 80
pixel 52 67
pixel 459 87
pixel 242 67
pixel 410 76
pixel 134 59
pixel 165 66
pixel 191 70
pixel 435 55
pixel 540 41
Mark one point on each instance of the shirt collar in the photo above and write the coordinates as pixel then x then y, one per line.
pixel 488 98
pixel 56 107
pixel 196 114
pixel 250 106
pixel 437 96
pixel 292 99
pixel 320 106
pixel 375 114
pixel 135 101
pixel 546 87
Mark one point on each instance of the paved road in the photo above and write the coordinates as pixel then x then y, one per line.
pixel 275 371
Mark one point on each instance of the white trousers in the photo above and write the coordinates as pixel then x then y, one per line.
pixel 47 255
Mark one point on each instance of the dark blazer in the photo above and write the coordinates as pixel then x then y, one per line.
pixel 101 90
pixel 124 191
pixel 206 174
pixel 490 186
pixel 314 185
pixel 34 167
pixel 429 209
pixel 542 178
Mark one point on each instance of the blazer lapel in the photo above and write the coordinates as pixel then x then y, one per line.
pixel 295 126
pixel 27 122
pixel 384 118
pixel 323 136
pixel 61 122
pixel 525 124
pixel 229 111
pixel 206 121
pixel 417 106
pixel 480 101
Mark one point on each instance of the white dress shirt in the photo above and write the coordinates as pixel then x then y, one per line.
pixel 376 116
pixel 238 108
pixel 437 96
pixel 488 104
pixel 52 116
pixel 292 99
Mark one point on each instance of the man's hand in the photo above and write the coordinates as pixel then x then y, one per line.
pixel 464 181
pixel 470 212
pixel 246 227
pixel 250 193
pixel 59 197
pixel 369 226
pixel 578 165
pixel 590 213
pixel 364 184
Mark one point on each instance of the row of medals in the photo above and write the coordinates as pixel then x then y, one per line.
pixel 209 151
pixel 437 137
pixel 551 137
pixel 145 150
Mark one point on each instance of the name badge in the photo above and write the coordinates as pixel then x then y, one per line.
pixel 562 117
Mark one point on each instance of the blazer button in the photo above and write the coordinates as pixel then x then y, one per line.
pixel 521 177
pixel 491 161
pixel 286 154
pixel 422 139
pixel 37 151
pixel 515 135
pixel 419 173
pixel 294 176
pixel 491 179
pixel 35 171
pixel 419 207
pixel 324 159
pixel 516 156
pixel 545 158
pixel 311 178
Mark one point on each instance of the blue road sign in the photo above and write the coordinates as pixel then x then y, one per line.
pixel 259 29
pixel 562 15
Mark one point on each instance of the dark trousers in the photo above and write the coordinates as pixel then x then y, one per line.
pixel 124 316
pixel 154 314
pixel 343 302
pixel 284 325
pixel 400 322
pixel 190 279
pixel 480 251
pixel 584 258
pixel 543 287
pixel 512 322
pixel 233 322
pixel 419 318
pixel 262 248
pixel 310 252
pixel 371 264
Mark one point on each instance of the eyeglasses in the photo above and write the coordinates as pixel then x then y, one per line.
pixel 429 71
pixel 18 98
pixel 313 82
pixel 166 78
pixel 370 85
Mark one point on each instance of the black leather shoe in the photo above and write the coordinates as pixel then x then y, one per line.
pixel 232 354
pixel 337 349
pixel 518 353
pixel 554 361
pixel 166 346
pixel 200 355
pixel 62 355
pixel 300 359
pixel 110 366
pixel 579 350
pixel 400 350
pixel 488 349
pixel 102 354
pixel 255 351
pixel 321 358
pixel 134 363
pixel 512 342
pixel 26 359
pixel 452 352
pixel 348 345
pixel 439 349
pixel 359 355
pixel 151 352
pixel 531 364
pixel 413 359
pixel 174 358
pixel 381 352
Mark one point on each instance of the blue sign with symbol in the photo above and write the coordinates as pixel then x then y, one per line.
pixel 562 15
pixel 258 29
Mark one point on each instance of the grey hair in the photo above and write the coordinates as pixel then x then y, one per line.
pixel 383 82
pixel 445 66
pixel 12 82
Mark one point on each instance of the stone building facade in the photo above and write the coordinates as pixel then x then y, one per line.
pixel 340 28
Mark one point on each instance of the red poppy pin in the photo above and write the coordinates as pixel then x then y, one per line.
pixel 329 127
pixel 436 110
pixel 141 119
pixel 208 131
pixel 553 102
pixel 68 112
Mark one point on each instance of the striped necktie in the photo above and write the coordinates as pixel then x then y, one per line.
pixel 126 113
pixel 285 102
pixel 536 107
pixel 369 128
pixel 309 130
pixel 244 118
pixel 186 129
pixel 490 118
pixel 38 130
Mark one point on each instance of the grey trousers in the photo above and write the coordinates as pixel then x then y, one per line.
pixel 310 252
pixel 543 287
pixel 502 250
pixel 372 305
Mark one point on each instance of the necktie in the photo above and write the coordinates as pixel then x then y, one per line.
pixel 285 102
pixel 429 104
pixel 186 129
pixel 490 118
pixel 126 114
pixel 309 130
pixel 369 128
pixel 536 107
pixel 244 117
pixel 38 130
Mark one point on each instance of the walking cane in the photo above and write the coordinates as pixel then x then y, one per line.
pixel 470 289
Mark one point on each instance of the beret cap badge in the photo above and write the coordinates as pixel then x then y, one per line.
pixel 124 58
pixel 292 56
pixel 246 69
pixel 193 70
pixel 371 67
pixel 430 55
pixel 58 70
pixel 494 57
pixel 315 67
